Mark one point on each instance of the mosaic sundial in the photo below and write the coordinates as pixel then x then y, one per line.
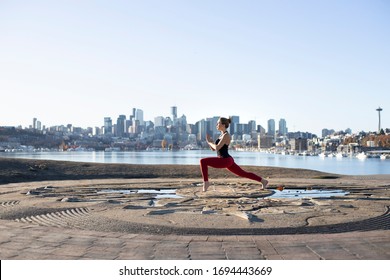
pixel 179 206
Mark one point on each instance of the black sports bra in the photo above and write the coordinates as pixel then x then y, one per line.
pixel 223 152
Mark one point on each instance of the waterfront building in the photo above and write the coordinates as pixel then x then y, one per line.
pixel 234 120
pixel 139 116
pixel 135 128
pixel 129 123
pixel 271 128
pixel 239 129
pixel 107 126
pixel 282 127
pixel 174 114
pixel 132 116
pixel 77 130
pixel 299 134
pixel 202 130
pixel 181 122
pixel 251 126
pixel 261 130
pixel 246 137
pixel 371 144
pixel 191 129
pixel 327 132
pixel 212 128
pixel 159 132
pixel 34 123
pixel 298 144
pixel 192 139
pixel 159 121
pixel 97 130
pixel 121 126
pixel 265 141
pixel 168 122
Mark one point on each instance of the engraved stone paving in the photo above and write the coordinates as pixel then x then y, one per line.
pixel 156 219
pixel 164 207
pixel 58 219
pixel 9 203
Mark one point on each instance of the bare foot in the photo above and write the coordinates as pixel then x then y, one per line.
pixel 264 182
pixel 206 186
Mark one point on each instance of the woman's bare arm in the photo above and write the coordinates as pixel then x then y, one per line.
pixel 224 140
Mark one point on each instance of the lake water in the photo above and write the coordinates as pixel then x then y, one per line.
pixel 346 166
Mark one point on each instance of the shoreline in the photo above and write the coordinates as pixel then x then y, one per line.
pixel 27 170
pixel 346 166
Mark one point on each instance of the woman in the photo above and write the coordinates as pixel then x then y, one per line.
pixel 224 160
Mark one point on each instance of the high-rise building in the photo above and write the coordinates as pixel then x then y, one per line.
pixel 261 130
pixel 159 121
pixel 271 127
pixel 168 121
pixel 181 123
pixel 251 126
pixel 133 113
pixel 298 144
pixel 97 131
pixel 232 128
pixel 239 129
pixel 107 126
pixel 139 116
pixel 202 130
pixel 34 123
pixel 282 127
pixel 174 113
pixel 121 126
pixel 212 126
pixel 326 132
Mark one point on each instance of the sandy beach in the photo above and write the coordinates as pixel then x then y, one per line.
pixel 164 199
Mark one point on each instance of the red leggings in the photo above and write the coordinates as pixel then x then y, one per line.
pixel 228 163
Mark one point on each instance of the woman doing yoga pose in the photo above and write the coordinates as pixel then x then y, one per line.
pixel 223 159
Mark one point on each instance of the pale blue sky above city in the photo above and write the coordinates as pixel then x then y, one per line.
pixel 317 64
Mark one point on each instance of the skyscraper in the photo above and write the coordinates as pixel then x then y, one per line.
pixel 251 126
pixel 139 116
pixel 271 127
pixel 133 113
pixel 211 126
pixel 34 123
pixel 202 129
pixel 232 128
pixel 159 121
pixel 121 126
pixel 107 125
pixel 282 127
pixel 174 112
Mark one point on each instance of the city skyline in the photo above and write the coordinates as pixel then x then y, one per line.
pixel 281 122
pixel 322 64
pixel 273 126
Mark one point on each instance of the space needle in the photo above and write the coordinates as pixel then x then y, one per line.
pixel 379 114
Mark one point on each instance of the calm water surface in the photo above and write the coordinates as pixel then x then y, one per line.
pixel 347 166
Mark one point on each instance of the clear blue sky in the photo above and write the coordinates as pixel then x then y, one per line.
pixel 317 64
